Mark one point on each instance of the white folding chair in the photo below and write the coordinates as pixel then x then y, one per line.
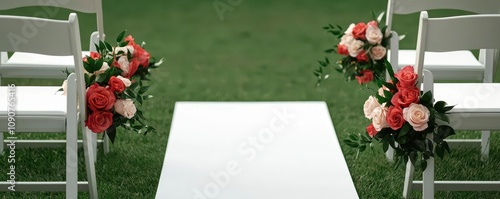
pixel 33 65
pixel 451 65
pixel 477 104
pixel 43 108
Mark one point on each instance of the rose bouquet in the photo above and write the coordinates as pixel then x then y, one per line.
pixel 400 114
pixel 363 47
pixel 114 79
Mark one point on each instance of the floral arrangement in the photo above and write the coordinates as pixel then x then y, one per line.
pixel 363 47
pixel 402 118
pixel 114 79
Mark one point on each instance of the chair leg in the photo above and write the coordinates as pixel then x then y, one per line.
pixel 428 178
pixel 485 144
pixel 94 144
pixel 410 170
pixel 71 161
pixel 89 162
pixel 105 144
pixel 2 144
pixel 389 154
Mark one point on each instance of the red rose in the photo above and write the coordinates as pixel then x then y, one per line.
pixel 142 55
pixel 116 84
pixel 133 66
pixel 95 55
pixel 371 130
pixel 99 121
pixel 366 76
pixel 359 31
pixel 362 56
pixel 395 117
pixel 100 98
pixel 130 40
pixel 342 50
pixel 372 23
pixel 403 98
pixel 407 78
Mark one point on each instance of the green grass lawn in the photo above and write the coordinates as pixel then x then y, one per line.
pixel 261 51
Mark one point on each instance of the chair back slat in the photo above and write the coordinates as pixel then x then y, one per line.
pixel 35 35
pixel 86 6
pixel 414 6
pixel 469 32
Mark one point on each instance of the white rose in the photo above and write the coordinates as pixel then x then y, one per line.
pixel 124 64
pixel 370 104
pixel 125 81
pixel 125 107
pixel 355 48
pixel 417 115
pixel 373 35
pixel 379 117
pixel 349 29
pixel 124 49
pixel 378 52
pixel 65 87
pixel 104 67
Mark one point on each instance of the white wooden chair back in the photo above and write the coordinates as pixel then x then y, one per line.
pixel 468 32
pixel 55 37
pixel 85 6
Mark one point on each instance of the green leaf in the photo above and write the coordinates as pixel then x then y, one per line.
pixel 120 36
pixel 123 43
pixel 388 94
pixel 362 148
pixel 443 132
pixel 108 46
pixel 143 89
pixel 413 157
pixel 98 64
pixel 86 65
pixel 111 133
pixel 426 98
pixel 442 117
pixel 381 99
pixel 351 143
pixel 102 78
pixel 389 68
pixel 139 99
pixel 423 164
pixel 385 146
pixel 329 50
pixel 405 129
pixel 102 46
pixel 389 85
pixel 439 151
pixel 439 106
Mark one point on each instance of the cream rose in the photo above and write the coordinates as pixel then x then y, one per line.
pixel 125 81
pixel 125 107
pixel 379 117
pixel 417 115
pixel 373 35
pixel 124 64
pixel 65 87
pixel 346 40
pixel 370 104
pixel 355 48
pixel 378 52
pixel 124 49
pixel 349 29
pixel 104 67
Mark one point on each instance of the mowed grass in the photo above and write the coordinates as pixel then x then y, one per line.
pixel 261 51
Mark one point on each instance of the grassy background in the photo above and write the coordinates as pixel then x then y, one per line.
pixel 261 51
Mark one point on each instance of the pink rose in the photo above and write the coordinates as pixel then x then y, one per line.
pixel 125 107
pixel 417 115
pixel 372 23
pixel 355 47
pixel 374 35
pixel 378 52
pixel 370 104
pixel 378 117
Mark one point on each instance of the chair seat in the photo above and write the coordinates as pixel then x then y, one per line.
pixel 454 65
pixel 469 97
pixel 25 65
pixel 34 106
